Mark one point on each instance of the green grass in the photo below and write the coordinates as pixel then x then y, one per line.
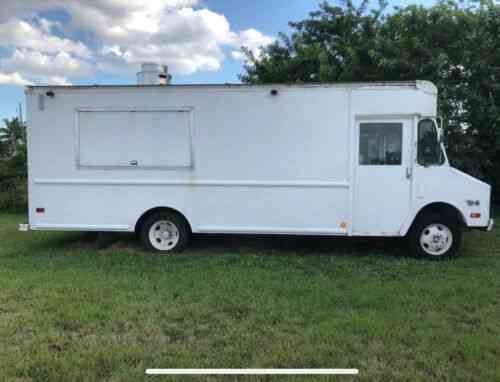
pixel 71 312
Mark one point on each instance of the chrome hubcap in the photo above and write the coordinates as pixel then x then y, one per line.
pixel 164 235
pixel 436 239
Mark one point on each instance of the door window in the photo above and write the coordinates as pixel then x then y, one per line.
pixel 380 144
pixel 429 147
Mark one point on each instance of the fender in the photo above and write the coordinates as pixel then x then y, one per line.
pixel 145 214
pixel 405 227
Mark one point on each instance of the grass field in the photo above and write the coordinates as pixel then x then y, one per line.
pixel 71 312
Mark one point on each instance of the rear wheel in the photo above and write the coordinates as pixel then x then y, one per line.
pixel 164 232
pixel 435 237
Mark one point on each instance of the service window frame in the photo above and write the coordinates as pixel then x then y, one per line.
pixel 183 109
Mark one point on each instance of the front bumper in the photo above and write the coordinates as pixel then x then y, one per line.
pixel 491 225
pixel 488 228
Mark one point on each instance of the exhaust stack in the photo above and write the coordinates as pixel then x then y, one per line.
pixel 153 74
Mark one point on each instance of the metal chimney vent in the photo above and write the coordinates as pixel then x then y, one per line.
pixel 152 74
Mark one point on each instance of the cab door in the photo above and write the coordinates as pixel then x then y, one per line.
pixel 383 169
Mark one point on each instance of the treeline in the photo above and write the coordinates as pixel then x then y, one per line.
pixel 13 166
pixel 456 45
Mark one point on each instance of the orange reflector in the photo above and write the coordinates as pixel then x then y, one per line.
pixel 475 215
pixel 40 210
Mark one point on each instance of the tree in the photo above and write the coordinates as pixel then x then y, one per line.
pixel 336 43
pixel 454 44
pixel 13 165
pixel 12 138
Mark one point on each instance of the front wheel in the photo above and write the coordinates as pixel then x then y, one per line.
pixel 435 237
pixel 164 232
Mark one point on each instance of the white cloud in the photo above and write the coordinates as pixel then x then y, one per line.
pixel 30 61
pixel 18 33
pixel 48 25
pixel 53 80
pixel 251 39
pixel 39 56
pixel 13 79
pixel 119 35
pixel 186 39
pixel 238 55
pixel 111 8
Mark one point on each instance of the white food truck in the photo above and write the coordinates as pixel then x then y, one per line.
pixel 165 161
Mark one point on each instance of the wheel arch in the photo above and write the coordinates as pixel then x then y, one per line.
pixel 440 208
pixel 153 210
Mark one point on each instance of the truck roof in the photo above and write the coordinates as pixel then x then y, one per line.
pixel 425 85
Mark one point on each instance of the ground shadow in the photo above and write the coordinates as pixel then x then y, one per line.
pixel 293 244
pixel 213 244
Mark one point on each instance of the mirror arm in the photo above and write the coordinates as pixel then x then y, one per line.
pixel 439 121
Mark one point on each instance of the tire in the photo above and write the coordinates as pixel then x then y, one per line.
pixel 165 232
pixel 435 237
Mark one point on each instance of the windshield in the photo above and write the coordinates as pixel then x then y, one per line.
pixel 429 147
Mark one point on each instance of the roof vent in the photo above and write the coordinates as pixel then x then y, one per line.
pixel 153 74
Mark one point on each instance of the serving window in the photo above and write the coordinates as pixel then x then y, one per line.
pixel 134 138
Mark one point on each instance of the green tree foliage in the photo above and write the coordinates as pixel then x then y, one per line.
pixel 13 169
pixel 454 44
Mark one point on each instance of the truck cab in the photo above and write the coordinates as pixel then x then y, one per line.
pixel 403 182
pixel 445 200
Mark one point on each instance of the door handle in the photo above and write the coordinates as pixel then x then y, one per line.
pixel 134 163
pixel 408 172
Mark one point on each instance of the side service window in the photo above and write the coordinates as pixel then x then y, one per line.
pixel 380 144
pixel 134 138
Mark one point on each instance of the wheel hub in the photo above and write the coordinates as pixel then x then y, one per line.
pixel 164 235
pixel 436 239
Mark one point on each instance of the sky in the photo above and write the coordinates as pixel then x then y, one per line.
pixel 75 42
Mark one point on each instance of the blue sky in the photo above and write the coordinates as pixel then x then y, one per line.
pixel 91 42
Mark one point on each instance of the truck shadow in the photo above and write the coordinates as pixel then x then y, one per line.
pixel 218 244
pixel 303 245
